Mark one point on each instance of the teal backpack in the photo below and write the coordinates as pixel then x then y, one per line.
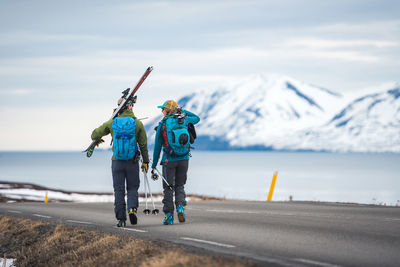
pixel 124 138
pixel 178 137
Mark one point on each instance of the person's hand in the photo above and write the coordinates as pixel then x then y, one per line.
pixel 154 175
pixel 99 142
pixel 145 167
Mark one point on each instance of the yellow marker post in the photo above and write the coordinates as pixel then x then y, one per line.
pixel 45 198
pixel 271 189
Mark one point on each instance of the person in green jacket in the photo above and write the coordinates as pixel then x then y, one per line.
pixel 126 170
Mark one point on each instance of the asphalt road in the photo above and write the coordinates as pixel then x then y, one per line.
pixel 283 234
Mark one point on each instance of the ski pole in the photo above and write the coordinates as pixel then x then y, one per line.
pixel 154 211
pixel 146 210
pixel 155 177
pixel 162 176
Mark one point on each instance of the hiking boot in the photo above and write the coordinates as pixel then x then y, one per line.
pixel 132 216
pixel 121 223
pixel 169 218
pixel 181 213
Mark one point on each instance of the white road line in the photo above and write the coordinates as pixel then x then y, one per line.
pixel 250 212
pixel 392 219
pixel 208 242
pixel 233 211
pixel 14 211
pixel 42 216
pixel 131 229
pixel 317 263
pixel 72 221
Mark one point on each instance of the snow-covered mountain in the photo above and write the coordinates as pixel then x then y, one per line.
pixel 370 123
pixel 280 113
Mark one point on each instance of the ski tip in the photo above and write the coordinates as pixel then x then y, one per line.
pixel 89 153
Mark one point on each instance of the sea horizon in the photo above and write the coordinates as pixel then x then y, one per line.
pixel 356 177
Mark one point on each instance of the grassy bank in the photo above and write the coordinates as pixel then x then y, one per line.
pixel 38 243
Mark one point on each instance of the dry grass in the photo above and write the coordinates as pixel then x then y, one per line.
pixel 37 243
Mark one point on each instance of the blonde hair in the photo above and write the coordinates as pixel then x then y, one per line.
pixel 170 106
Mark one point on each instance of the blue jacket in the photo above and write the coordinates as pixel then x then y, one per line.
pixel 190 118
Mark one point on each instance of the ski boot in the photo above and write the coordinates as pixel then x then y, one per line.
pixel 169 218
pixel 132 216
pixel 181 213
pixel 121 223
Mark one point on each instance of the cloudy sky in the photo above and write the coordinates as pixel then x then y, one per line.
pixel 63 64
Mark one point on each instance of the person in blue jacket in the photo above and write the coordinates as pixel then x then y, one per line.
pixel 172 137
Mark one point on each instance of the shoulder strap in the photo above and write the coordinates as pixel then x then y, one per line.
pixel 164 134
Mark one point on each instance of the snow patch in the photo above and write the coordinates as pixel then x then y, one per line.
pixel 7 262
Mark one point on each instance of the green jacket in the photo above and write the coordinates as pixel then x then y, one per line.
pixel 140 133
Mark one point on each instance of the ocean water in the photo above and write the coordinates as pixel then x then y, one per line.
pixel 350 177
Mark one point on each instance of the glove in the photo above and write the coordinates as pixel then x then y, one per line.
pixel 154 175
pixel 100 141
pixel 145 167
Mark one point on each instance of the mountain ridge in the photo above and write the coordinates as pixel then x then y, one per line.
pixel 277 112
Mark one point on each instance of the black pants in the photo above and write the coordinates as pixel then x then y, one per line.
pixel 175 172
pixel 125 170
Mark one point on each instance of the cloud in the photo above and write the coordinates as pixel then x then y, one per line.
pixel 326 43
pixel 348 56
pixel 376 28
pixel 17 92
pixel 32 38
pixel 352 50
pixel 185 69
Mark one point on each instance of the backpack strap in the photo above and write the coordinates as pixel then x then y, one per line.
pixel 137 152
pixel 164 134
pixel 164 130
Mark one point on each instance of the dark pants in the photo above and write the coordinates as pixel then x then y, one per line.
pixel 175 172
pixel 125 170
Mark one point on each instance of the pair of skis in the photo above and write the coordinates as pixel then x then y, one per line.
pixel 128 95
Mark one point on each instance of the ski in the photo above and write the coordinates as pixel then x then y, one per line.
pixel 131 93
pixel 127 94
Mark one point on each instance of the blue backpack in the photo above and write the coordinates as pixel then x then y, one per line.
pixel 124 138
pixel 178 137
